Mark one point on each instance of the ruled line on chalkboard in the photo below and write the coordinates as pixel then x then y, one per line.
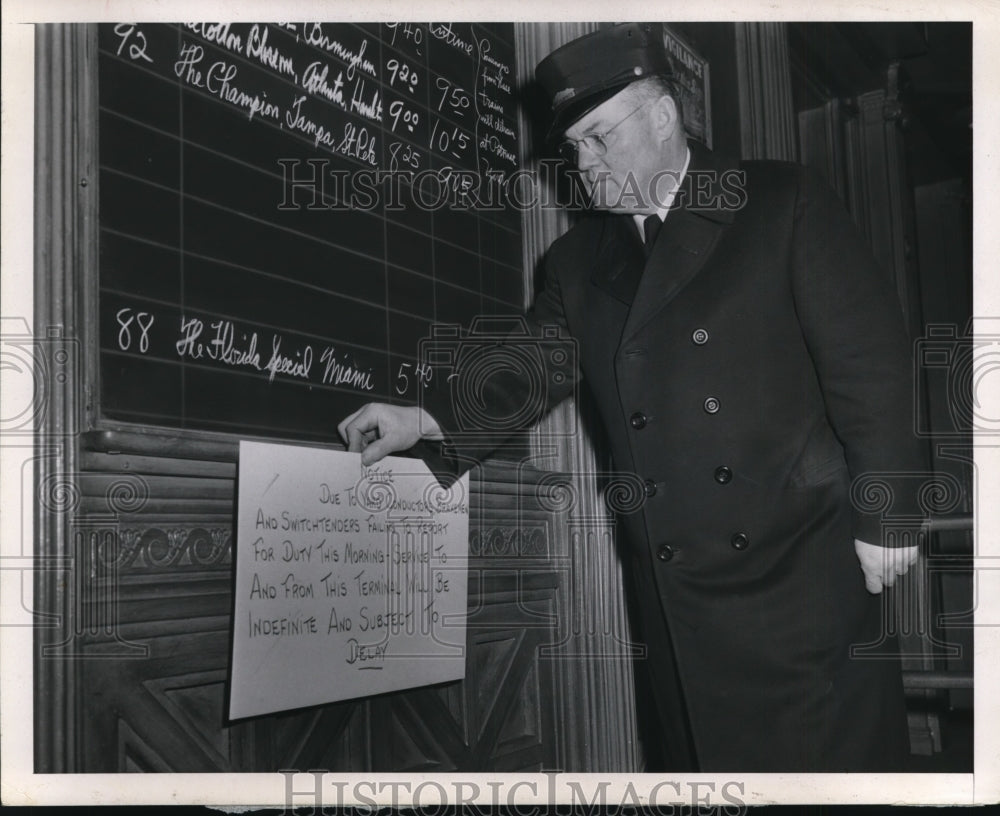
pixel 301 42
pixel 239 319
pixel 256 67
pixel 487 302
pixel 298 41
pixel 245 424
pixel 435 73
pixel 509 42
pixel 261 122
pixel 275 174
pixel 220 426
pixel 180 225
pixel 427 103
pixel 285 133
pixel 373 213
pixel 490 300
pixel 298 233
pixel 274 327
pixel 385 242
pixel 489 305
pixel 237 56
pixel 260 377
pixel 279 277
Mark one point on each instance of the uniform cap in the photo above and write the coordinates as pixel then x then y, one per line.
pixel 589 70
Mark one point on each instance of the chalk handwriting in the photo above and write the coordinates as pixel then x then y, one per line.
pixel 358 143
pixel 451 141
pixel 143 320
pixel 411 33
pixel 219 80
pixel 218 33
pixel 136 40
pixel 314 35
pixel 297 120
pixel 497 67
pixel 445 33
pixel 296 366
pixel 257 47
pixel 452 98
pixel 185 67
pixel 366 102
pixel 315 81
pixel 407 77
pixel 340 372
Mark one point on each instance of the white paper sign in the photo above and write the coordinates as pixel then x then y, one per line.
pixel 350 581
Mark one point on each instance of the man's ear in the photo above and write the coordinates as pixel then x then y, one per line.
pixel 664 116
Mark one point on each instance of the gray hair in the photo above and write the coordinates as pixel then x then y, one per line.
pixel 651 88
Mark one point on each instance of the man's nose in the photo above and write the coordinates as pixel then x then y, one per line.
pixel 586 158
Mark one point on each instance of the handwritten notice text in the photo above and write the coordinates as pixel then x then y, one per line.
pixel 350 581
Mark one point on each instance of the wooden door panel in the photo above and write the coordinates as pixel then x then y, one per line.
pixel 150 644
pixel 150 710
pixel 334 737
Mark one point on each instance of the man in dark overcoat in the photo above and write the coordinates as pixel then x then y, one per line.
pixel 749 362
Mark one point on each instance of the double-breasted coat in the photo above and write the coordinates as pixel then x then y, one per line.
pixel 747 372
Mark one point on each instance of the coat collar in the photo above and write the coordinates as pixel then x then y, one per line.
pixel 704 188
pixel 700 214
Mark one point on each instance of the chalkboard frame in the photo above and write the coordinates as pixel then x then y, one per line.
pixel 101 432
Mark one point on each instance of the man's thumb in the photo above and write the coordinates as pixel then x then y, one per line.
pixel 377 450
pixel 873 583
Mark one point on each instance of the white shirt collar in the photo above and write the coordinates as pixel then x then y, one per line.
pixel 662 211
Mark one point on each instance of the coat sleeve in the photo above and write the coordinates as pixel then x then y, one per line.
pixel 853 327
pixel 496 385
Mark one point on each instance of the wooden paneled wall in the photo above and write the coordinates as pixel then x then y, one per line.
pixel 148 638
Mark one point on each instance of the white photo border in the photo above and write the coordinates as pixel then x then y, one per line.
pixel 20 785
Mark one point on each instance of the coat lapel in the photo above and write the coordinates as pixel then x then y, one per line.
pixel 689 234
pixel 619 260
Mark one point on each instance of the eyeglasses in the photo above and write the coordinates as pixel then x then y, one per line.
pixel 569 149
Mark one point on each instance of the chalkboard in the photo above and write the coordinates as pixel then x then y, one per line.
pixel 285 210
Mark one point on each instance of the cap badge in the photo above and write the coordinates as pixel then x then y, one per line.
pixel 562 96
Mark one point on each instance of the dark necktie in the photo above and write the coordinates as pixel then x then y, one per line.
pixel 650 228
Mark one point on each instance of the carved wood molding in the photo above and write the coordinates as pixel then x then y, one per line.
pixel 65 249
pixel 519 541
pixel 157 547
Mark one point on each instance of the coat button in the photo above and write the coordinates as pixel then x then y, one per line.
pixel 712 405
pixel 699 337
pixel 637 420
pixel 740 541
pixel 665 553
pixel 649 487
pixel 723 475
